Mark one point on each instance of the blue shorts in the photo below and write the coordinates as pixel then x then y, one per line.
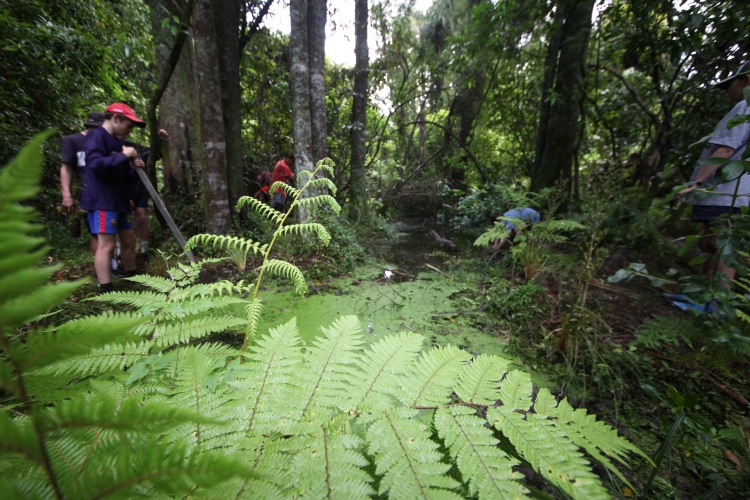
pixel 711 213
pixel 108 221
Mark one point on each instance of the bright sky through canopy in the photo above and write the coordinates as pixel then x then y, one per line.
pixel 339 28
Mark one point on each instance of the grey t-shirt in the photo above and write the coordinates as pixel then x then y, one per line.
pixel 735 138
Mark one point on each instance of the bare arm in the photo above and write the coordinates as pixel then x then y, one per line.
pixel 66 181
pixel 708 170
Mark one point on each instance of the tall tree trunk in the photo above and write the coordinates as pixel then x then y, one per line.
pixel 562 130
pixel 213 143
pixel 227 22
pixel 178 108
pixel 300 85
pixel 357 186
pixel 317 12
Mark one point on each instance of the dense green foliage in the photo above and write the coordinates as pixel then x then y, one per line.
pixel 148 410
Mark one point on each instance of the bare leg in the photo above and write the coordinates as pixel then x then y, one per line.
pixel 127 249
pixel 708 243
pixel 105 245
pixel 92 244
pixel 141 224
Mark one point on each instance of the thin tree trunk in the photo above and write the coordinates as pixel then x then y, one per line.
pixel 357 187
pixel 300 84
pixel 213 143
pixel 562 132
pixel 317 12
pixel 227 22
pixel 178 110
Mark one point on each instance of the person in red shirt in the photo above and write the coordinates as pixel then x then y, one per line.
pixel 264 181
pixel 282 172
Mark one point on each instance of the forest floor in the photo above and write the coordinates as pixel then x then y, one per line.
pixel 626 355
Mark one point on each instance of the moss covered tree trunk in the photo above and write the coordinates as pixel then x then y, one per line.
pixel 212 143
pixel 558 135
pixel 357 186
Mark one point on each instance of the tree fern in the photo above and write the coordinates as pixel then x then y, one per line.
pixel 259 207
pixel 431 380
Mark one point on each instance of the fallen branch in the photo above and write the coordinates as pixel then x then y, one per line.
pixel 428 266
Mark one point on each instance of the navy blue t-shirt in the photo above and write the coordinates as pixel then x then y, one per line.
pixel 73 154
pixel 108 173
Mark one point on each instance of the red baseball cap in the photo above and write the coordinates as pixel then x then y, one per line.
pixel 127 112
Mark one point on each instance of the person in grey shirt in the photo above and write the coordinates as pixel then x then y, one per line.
pixel 712 199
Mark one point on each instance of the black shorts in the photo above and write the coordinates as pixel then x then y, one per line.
pixel 141 202
pixel 710 213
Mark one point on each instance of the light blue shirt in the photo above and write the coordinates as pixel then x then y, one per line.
pixel 521 213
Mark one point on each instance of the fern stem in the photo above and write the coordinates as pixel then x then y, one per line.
pixel 406 454
pixel 23 393
pixel 273 240
pixel 327 461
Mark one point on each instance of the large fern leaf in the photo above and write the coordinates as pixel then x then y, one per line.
pixel 487 469
pixel 329 464
pixel 267 383
pixel 479 381
pixel 549 450
pixel 432 378
pixel 329 368
pixel 407 459
pixel 382 367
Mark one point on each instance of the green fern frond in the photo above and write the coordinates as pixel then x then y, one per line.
pixel 487 469
pixel 515 390
pixel 117 414
pixel 19 180
pixel 330 366
pixel 381 369
pixel 23 309
pixel 328 464
pixel 323 200
pixel 173 332
pixel 148 301
pixel 319 183
pixel 224 242
pixel 479 381
pixel 431 380
pixel 291 191
pixel 496 232
pixel 549 450
pixel 259 207
pixel 28 486
pixel 269 377
pixel 175 471
pixel 301 229
pixel 101 360
pixel 287 270
pixel 19 437
pixel 598 439
pixel 327 165
pixel 75 338
pixel 407 459
pixel 253 311
pixel 161 285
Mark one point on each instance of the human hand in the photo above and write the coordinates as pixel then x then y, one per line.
pixel 68 203
pixel 163 134
pixel 137 162
pixel 130 152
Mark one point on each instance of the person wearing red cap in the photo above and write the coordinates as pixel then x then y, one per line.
pixel 107 194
